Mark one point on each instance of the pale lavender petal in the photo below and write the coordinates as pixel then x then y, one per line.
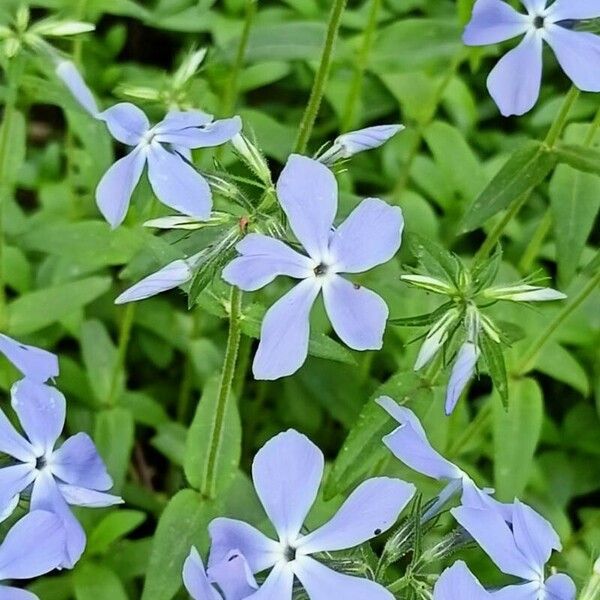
pixel 41 411
pixel 9 509
pixel 126 123
pixel 535 7
pixel 71 77
pixel 81 496
pixel 494 21
pixel 370 510
pixel 233 576
pixel 560 587
pixel 176 120
pixel 473 497
pixel 578 53
pixel 370 236
pixel 195 579
pixel 277 586
pixel 169 277
pixel 13 443
pixel 515 81
pixel 307 191
pixel 34 546
pixel 534 535
pixel 458 583
pixel 494 536
pixel 13 480
pixel 77 462
pixel 34 363
pixel 322 583
pixel 463 370
pixel 285 332
pixel 357 314
pixel 11 593
pixel 349 144
pixel 113 193
pixel 563 10
pixel 262 259
pixel 206 136
pixel 525 591
pixel 177 184
pixel 228 534
pixel 287 472
pixel 401 414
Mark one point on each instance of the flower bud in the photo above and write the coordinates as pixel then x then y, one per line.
pixel 523 293
pixel 429 283
pixel 253 157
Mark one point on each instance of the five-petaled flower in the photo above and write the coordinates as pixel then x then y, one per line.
pixel 515 81
pixel 370 236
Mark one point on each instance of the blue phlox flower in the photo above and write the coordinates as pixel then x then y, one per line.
pixel 34 363
pixel 370 236
pixel 164 148
pixel 287 473
pixel 34 546
pixel 71 474
pixel 230 579
pixel 458 583
pixel 515 81
pixel 521 549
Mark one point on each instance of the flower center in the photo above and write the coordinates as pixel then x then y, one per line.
pixel 289 553
pixel 321 270
pixel 41 463
pixel 539 22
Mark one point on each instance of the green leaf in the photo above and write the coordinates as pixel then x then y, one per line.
pixel 492 352
pixel 16 155
pixel 484 273
pixel 438 261
pixel 422 320
pixel 582 158
pixel 516 436
pixel 113 527
pixel 41 308
pixel 523 171
pixel 183 524
pixel 201 436
pixel 92 581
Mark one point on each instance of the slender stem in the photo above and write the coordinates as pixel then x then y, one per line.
pixel 537 240
pixel 362 61
pixel 527 362
pixel 318 89
pixel 125 327
pixel 209 484
pixel 559 123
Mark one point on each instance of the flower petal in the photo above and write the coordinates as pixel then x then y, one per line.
pixel 535 7
pixel 287 472
pixel 81 496
pixel 71 77
pixel 578 53
pixel 515 81
pixel 458 583
pixel 177 184
pixel 322 583
pixel 229 534
pixel 126 123
pixel 41 411
pixel 560 587
pixel 34 546
pixel 169 277
pixel 370 510
pixel 195 579
pixel 525 591
pixel 563 10
pixel 370 236
pixel 11 593
pixel 462 372
pixel 233 576
pixel 13 443
pixel 262 259
pixel 77 462
pixel 9 509
pixel 205 136
pixel 357 314
pixel 277 586
pixel 285 332
pixel 494 21
pixel 13 480
pixel 495 538
pixel 176 120
pixel 113 193
pixel 35 364
pixel 307 192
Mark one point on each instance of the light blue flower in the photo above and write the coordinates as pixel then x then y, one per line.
pixel 515 81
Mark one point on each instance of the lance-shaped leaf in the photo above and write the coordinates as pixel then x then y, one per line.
pixel 581 158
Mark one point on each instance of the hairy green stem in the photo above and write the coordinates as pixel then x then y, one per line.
pixel 125 327
pixel 318 89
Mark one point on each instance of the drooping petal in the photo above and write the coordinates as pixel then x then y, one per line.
pixel 77 462
pixel 169 277
pixel 13 443
pixel 560 587
pixel 126 123
pixel 578 53
pixel 13 480
pixel 262 259
pixel 514 83
pixel 287 472
pixel 41 411
pixel 81 496
pixel 33 546
pixel 563 10
pixel 494 21
pixel 370 510
pixel 357 314
pixel 113 193
pixel 195 579
pixel 233 576
pixel 285 332
pixel 463 370
pixel 307 191
pixel 494 536
pixel 205 136
pixel 35 364
pixel 177 184
pixel 370 236
pixel 277 586
pixel 524 591
pixel 71 77
pixel 229 534
pixel 458 583
pixel 11 593
pixel 322 583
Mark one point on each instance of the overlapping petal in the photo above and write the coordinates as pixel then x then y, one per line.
pixel 126 123
pixel 34 363
pixel 458 583
pixel 13 443
pixel 563 10
pixel 522 591
pixel 233 576
pixel 463 370
pixel 277 586
pixel 71 77
pixel 560 587
pixel 494 21
pixel 13 480
pixel 204 136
